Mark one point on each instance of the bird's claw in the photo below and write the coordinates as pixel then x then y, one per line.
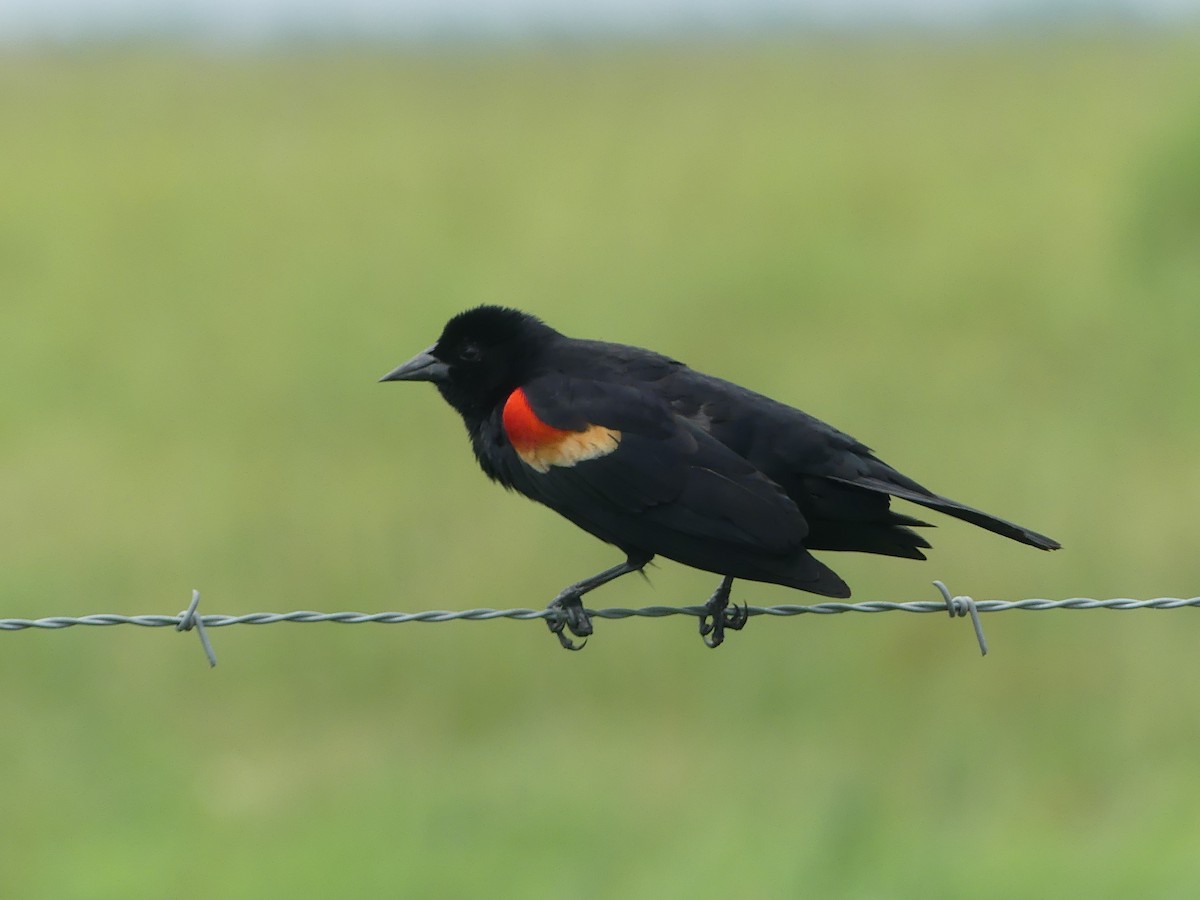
pixel 568 614
pixel 731 617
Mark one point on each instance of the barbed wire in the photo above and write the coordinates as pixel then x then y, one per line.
pixel 955 605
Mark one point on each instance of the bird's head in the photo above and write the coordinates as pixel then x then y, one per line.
pixel 482 356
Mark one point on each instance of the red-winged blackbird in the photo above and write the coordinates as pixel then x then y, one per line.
pixel 659 459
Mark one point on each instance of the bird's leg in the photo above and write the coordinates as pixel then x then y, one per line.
pixel 717 609
pixel 569 603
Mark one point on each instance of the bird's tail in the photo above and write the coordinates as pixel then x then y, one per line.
pixel 916 494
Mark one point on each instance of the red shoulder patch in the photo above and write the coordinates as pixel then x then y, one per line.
pixel 541 445
pixel 525 430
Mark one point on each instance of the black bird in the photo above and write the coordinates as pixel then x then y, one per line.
pixel 661 460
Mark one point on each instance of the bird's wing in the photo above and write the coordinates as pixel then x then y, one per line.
pixel 812 461
pixel 604 453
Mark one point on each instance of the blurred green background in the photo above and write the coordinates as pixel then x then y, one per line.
pixel 980 255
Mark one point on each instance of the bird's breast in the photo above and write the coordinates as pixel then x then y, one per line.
pixel 541 445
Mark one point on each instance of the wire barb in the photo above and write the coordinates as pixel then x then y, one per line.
pixel 964 606
pixel 188 619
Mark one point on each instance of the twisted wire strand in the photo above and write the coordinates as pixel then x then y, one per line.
pixel 215 620
pixel 189 619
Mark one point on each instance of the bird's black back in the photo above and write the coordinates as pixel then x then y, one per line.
pixel 841 488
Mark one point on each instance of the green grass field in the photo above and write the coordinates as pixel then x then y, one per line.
pixel 980 256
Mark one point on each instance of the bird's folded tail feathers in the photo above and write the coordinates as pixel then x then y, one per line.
pixel 957 510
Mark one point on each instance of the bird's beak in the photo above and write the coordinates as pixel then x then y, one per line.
pixel 422 367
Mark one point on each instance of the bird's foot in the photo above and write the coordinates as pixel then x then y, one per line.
pixel 569 615
pixel 713 632
pixel 566 610
pixel 719 615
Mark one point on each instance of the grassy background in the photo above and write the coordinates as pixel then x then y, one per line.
pixel 979 256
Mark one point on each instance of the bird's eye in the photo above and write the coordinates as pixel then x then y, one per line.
pixel 469 353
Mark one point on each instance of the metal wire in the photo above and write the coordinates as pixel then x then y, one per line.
pixel 189 620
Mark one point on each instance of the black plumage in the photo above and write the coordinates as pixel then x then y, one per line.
pixel 658 459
